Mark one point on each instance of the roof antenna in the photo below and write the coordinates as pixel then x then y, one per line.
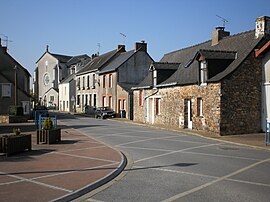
pixel 98 45
pixel 124 37
pixel 223 20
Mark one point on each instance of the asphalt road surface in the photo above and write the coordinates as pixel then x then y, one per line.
pixel 172 166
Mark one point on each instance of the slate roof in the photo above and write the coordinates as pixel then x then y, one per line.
pixel 117 62
pixel 61 58
pixel 97 62
pixel 77 59
pixel 237 46
pixel 164 71
pixel 217 54
pixel 68 79
pixel 126 86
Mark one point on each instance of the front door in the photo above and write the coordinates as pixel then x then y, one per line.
pixel 265 105
pixel 150 110
pixel 189 108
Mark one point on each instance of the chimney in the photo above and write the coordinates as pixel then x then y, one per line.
pixel 262 26
pixel 141 46
pixel 218 34
pixel 47 48
pixel 121 47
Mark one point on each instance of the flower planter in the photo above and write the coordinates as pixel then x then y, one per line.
pixel 15 143
pixel 48 136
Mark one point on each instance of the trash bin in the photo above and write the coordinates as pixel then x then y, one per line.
pixel 123 113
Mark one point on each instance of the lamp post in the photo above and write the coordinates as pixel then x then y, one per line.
pixel 15 85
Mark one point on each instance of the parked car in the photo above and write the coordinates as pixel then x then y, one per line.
pixel 104 112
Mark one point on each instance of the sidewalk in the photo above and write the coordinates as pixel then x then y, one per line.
pixel 64 171
pixel 254 140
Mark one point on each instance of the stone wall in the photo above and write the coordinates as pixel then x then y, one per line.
pixel 173 110
pixel 241 99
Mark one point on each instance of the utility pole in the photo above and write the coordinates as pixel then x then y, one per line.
pixel 15 85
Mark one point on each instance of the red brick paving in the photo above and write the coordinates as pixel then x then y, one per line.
pixel 52 171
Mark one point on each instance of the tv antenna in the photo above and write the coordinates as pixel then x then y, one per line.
pixel 223 20
pixel 98 45
pixel 124 37
pixel 6 39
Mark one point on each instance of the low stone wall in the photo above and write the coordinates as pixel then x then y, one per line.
pixel 13 119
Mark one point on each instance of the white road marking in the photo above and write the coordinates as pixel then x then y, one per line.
pixel 195 189
pixel 177 151
pixel 86 157
pixel 39 183
pixel 136 141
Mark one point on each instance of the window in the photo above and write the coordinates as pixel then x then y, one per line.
pixel 94 80
pixel 83 82
pixel 124 104
pixel 90 99
pixel 52 98
pixel 203 73
pixel 104 81
pixel 119 105
pixel 104 101
pixel 200 106
pixel 110 81
pixel 95 100
pixel 78 83
pixel 155 78
pixel 88 82
pixel 141 98
pixel 78 99
pixel 82 100
pixel 158 106
pixel 6 90
pixel 86 99
pixel 110 101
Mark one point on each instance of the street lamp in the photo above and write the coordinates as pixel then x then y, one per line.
pixel 15 85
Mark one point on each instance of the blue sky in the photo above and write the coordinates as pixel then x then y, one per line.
pixel 74 27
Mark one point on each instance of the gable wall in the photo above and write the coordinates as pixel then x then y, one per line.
pixel 241 99
pixel 135 69
pixel 52 62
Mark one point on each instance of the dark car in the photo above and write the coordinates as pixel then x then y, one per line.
pixel 104 112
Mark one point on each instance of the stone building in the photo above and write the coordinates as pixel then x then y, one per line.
pixel 50 71
pixel 217 86
pixel 14 83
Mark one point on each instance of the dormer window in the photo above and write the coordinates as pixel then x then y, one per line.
pixel 155 78
pixel 203 73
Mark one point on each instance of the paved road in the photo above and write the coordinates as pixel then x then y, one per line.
pixel 171 166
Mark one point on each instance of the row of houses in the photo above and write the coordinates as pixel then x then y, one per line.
pixel 72 83
pixel 220 85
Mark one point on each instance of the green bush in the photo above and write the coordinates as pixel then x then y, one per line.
pixel 15 110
